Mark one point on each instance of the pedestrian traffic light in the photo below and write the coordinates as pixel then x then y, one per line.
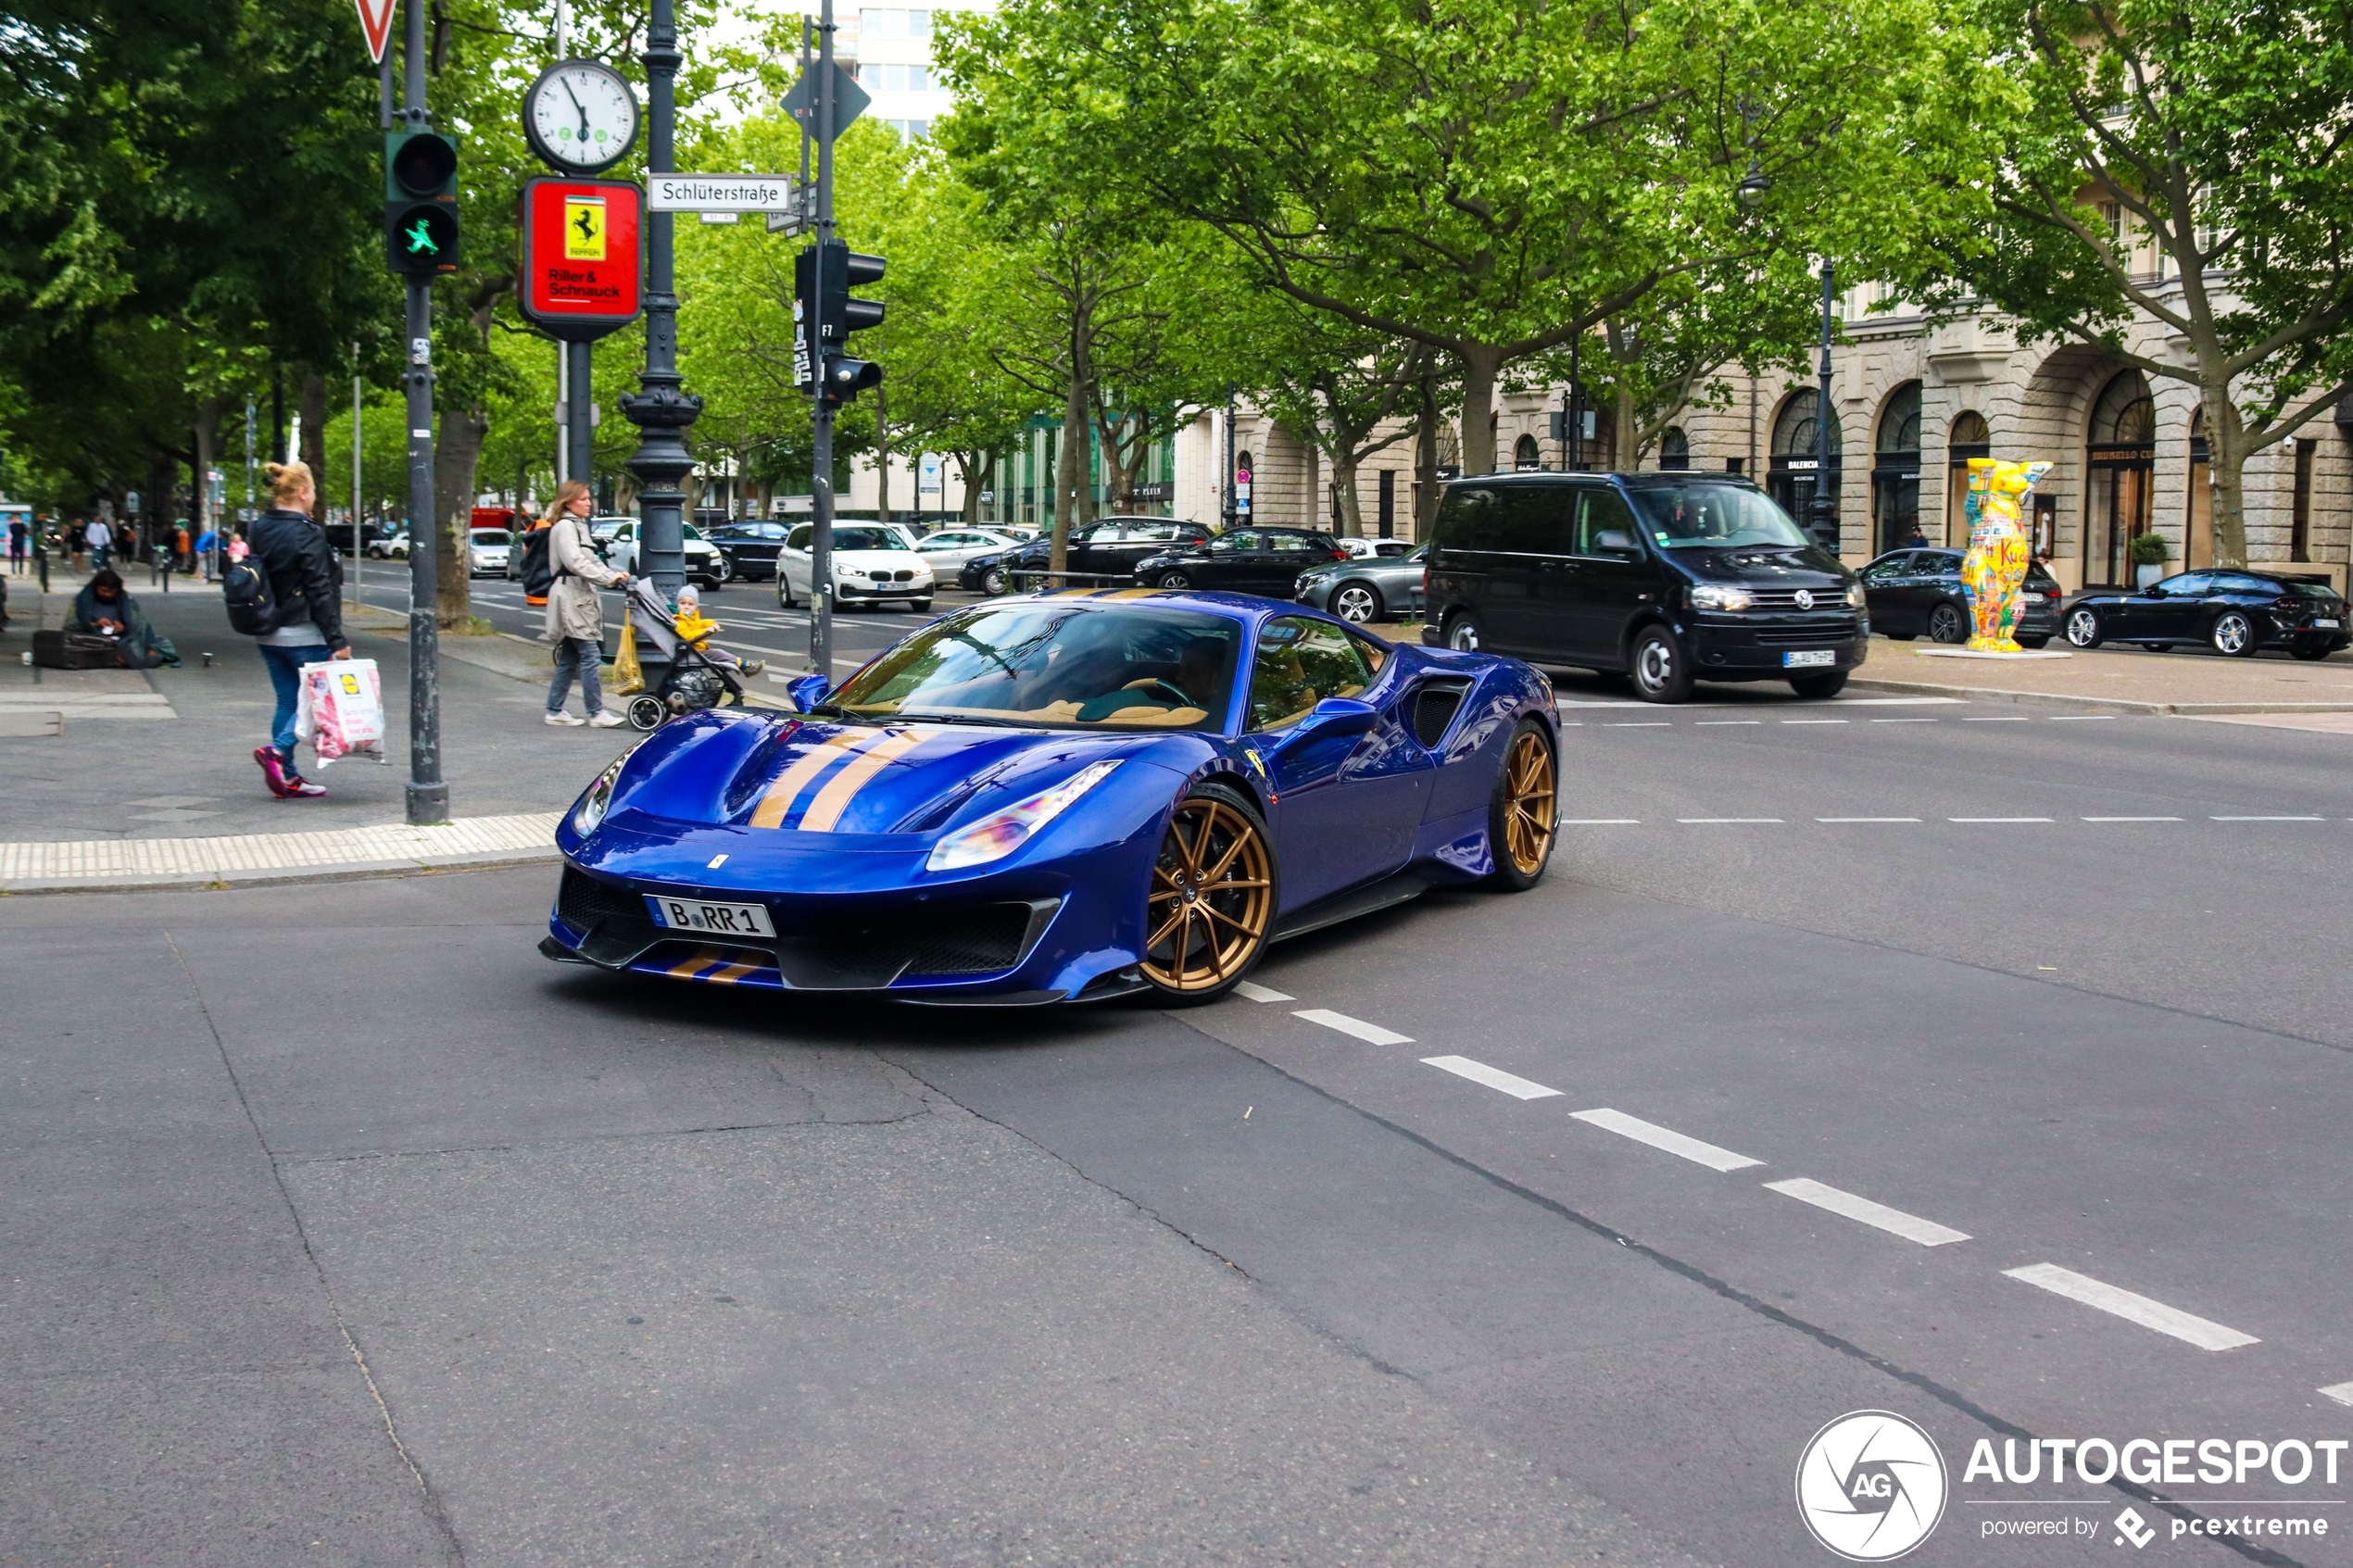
pixel 421 202
pixel 823 275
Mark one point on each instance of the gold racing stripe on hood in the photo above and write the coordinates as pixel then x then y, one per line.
pixel 777 803
pixel 835 799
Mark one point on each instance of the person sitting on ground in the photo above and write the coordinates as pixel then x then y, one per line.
pixel 696 632
pixel 105 609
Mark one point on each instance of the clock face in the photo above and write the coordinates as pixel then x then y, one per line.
pixel 581 115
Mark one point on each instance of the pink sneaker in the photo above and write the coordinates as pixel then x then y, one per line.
pixel 301 788
pixel 273 770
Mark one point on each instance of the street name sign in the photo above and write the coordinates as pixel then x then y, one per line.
pixel 580 274
pixel 722 192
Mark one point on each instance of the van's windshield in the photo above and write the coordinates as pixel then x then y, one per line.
pixel 1713 516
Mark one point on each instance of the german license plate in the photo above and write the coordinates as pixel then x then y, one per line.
pixel 2325 625
pixel 1809 658
pixel 711 920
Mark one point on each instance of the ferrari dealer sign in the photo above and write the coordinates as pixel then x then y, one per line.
pixel 580 266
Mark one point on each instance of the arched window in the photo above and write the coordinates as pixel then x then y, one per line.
pixel 1968 430
pixel 2120 462
pixel 2125 415
pixel 1525 456
pixel 1793 427
pixel 1969 438
pixel 1674 448
pixel 1895 471
pixel 1792 479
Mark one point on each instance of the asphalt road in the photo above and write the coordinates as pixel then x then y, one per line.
pixel 1830 1019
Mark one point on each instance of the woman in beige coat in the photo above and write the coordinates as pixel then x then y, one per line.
pixel 575 612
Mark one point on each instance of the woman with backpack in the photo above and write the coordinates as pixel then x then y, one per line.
pixel 575 609
pixel 298 618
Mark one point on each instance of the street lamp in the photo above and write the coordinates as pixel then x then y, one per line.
pixel 1750 191
pixel 1823 516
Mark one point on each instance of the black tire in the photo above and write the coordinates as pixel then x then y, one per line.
pixel 1357 603
pixel 1174 579
pixel 646 711
pixel 2083 629
pixel 1948 624
pixel 921 606
pixel 2234 634
pixel 2158 647
pixel 1462 632
pixel 784 591
pixel 1521 830
pixel 2033 642
pixel 2310 653
pixel 1815 688
pixel 1224 811
pixel 1655 666
pixel 1899 637
pixel 993 581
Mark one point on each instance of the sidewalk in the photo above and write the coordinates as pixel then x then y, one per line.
pixel 2188 684
pixel 120 778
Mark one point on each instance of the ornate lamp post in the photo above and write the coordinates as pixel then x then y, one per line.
pixel 1823 516
pixel 663 410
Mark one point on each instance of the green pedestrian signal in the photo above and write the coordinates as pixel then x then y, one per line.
pixel 421 202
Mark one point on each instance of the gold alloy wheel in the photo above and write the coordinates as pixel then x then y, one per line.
pixel 1211 899
pixel 1527 803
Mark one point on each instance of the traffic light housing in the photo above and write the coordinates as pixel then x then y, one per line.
pixel 421 202
pixel 833 315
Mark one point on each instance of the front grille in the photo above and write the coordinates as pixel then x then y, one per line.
pixel 975 940
pixel 1786 598
pixel 582 901
pixel 1821 637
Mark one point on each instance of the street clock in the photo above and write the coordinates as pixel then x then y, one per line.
pixel 580 116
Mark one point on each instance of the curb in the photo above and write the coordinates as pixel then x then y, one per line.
pixel 2099 704
pixel 260 860
pixel 228 880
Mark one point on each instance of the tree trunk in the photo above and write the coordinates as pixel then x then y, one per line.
pixel 207 436
pixel 1426 460
pixel 966 462
pixel 1352 511
pixel 314 434
pixel 454 456
pixel 1624 451
pixel 1481 362
pixel 2226 447
pixel 1070 466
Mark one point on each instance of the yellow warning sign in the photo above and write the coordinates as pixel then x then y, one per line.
pixel 584 228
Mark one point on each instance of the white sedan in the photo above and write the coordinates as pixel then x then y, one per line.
pixel 946 550
pixel 870 563
pixel 706 563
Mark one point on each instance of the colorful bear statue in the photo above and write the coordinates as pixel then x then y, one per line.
pixel 1999 550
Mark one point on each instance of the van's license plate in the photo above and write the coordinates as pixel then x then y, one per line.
pixel 712 920
pixel 1810 659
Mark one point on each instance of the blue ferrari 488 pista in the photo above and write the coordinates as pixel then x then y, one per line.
pixel 1061 797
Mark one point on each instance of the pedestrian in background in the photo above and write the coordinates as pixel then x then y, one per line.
pixel 307 581
pixel 101 539
pixel 78 542
pixel 19 544
pixel 575 610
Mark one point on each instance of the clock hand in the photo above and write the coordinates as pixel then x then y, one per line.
pixel 581 106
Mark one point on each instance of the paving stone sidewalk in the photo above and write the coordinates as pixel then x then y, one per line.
pixel 2186 683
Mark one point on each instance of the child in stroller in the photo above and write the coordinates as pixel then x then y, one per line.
pixel 698 675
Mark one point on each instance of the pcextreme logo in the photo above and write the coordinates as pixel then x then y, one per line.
pixel 1871 1486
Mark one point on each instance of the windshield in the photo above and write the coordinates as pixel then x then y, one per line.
pixel 1713 516
pixel 484 536
pixel 1057 665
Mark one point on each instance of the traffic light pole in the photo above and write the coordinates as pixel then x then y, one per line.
pixel 821 450
pixel 662 410
pixel 428 795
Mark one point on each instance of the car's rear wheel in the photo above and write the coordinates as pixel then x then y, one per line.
pixel 1175 580
pixel 2311 653
pixel 1654 665
pixel 2234 634
pixel 1358 602
pixel 2083 628
pixel 1520 816
pixel 1212 900
pixel 2026 642
pixel 1461 633
pixel 992 581
pixel 1948 624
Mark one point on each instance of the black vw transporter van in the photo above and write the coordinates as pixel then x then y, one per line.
pixel 1669 577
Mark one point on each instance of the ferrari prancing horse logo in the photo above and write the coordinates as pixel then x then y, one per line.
pixel 584 228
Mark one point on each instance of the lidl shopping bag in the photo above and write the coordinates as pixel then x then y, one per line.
pixel 628 675
pixel 342 708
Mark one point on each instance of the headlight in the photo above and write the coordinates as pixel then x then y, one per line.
pixel 1854 595
pixel 1722 596
pixel 993 838
pixel 599 800
pixel 1314 579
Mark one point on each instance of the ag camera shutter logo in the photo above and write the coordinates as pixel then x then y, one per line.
pixel 1871 1487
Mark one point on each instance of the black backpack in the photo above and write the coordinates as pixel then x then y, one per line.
pixel 253 602
pixel 538 576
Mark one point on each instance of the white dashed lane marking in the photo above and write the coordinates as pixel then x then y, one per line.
pixel 2131 819
pixel 1911 1227
pixel 1371 1033
pixel 1258 993
pixel 1703 723
pixel 2341 1392
pixel 1997 820
pixel 1493 1077
pixel 2266 819
pixel 1601 822
pixel 1866 818
pixel 1724 822
pixel 2000 719
pixel 1673 1142
pixel 2132 1307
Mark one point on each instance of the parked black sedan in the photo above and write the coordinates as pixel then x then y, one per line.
pixel 1244 560
pixel 1100 551
pixel 1368 588
pixel 2237 613
pixel 752 546
pixel 1912 592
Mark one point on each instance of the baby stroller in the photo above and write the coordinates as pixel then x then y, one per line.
pixel 690 681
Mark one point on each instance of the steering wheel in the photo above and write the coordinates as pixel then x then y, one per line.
pixel 1171 687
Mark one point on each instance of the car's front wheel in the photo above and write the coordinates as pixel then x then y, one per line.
pixel 1461 633
pixel 992 581
pixel 1522 812
pixel 1815 688
pixel 1358 602
pixel 1211 901
pixel 1656 667
pixel 2083 629
pixel 1175 580
pixel 2234 634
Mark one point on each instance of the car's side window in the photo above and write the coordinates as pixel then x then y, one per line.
pixel 799 540
pixel 1290 543
pixel 1471 518
pixel 1537 520
pixel 1299 664
pixel 2188 586
pixel 1885 568
pixel 1230 544
pixel 1600 512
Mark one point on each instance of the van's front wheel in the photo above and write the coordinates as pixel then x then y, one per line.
pixel 1656 668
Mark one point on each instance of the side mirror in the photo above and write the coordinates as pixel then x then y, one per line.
pixel 1614 541
pixel 1334 716
pixel 2153 592
pixel 805 692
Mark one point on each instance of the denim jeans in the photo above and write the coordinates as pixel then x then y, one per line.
pixel 285 677
pixel 584 655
